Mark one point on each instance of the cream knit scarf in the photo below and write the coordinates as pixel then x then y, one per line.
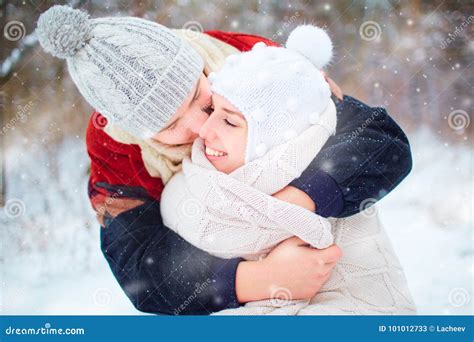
pixel 235 216
pixel 162 160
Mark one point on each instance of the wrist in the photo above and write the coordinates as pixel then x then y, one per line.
pixel 293 195
pixel 251 280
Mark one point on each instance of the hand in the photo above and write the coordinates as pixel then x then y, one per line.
pixel 335 89
pixel 292 269
pixel 295 196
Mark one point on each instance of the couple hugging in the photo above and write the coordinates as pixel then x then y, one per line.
pixel 228 172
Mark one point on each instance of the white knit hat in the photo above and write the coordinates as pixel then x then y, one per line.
pixel 280 91
pixel 133 71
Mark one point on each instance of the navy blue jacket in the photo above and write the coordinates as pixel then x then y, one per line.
pixel 161 273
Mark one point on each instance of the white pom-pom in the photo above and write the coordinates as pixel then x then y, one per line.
pixel 259 46
pixel 313 43
pixel 232 60
pixel 63 31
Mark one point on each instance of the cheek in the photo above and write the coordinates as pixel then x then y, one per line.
pixel 185 136
pixel 237 144
pixel 175 137
pixel 242 145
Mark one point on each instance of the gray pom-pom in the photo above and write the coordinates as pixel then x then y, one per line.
pixel 63 31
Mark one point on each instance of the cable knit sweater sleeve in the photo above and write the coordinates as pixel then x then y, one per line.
pixel 366 159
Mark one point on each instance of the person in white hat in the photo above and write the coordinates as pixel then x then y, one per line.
pixel 264 132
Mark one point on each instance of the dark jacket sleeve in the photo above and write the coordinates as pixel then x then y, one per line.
pixel 162 273
pixel 366 159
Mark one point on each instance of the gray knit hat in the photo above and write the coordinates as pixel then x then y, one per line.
pixel 133 71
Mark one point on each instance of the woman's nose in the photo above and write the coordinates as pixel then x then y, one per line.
pixel 198 121
pixel 207 129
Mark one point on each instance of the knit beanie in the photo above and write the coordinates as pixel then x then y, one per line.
pixel 133 71
pixel 280 91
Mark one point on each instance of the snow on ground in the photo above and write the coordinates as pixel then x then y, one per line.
pixel 52 263
pixel 430 221
pixel 51 258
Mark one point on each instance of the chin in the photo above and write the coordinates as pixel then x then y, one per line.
pixel 219 166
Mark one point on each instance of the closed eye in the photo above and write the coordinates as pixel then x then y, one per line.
pixel 173 126
pixel 229 123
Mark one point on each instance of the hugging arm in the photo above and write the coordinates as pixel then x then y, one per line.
pixel 367 158
pixel 162 273
pixel 156 268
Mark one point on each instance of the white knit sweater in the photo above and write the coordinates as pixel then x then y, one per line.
pixel 235 215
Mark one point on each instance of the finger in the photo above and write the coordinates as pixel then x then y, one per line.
pixel 301 243
pixel 323 270
pixel 326 277
pixel 323 277
pixel 296 241
pixel 328 255
pixel 328 268
pixel 330 265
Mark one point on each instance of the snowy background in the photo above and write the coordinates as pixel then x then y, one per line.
pixel 413 58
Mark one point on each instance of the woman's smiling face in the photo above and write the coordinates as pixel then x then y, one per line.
pixel 225 136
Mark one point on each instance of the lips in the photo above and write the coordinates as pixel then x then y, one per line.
pixel 210 152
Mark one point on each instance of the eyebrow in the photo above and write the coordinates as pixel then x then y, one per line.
pixel 233 113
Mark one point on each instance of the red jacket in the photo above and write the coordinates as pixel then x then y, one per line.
pixel 114 163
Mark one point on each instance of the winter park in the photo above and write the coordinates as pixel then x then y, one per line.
pixel 104 212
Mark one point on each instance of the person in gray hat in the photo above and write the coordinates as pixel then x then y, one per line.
pixel 135 72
